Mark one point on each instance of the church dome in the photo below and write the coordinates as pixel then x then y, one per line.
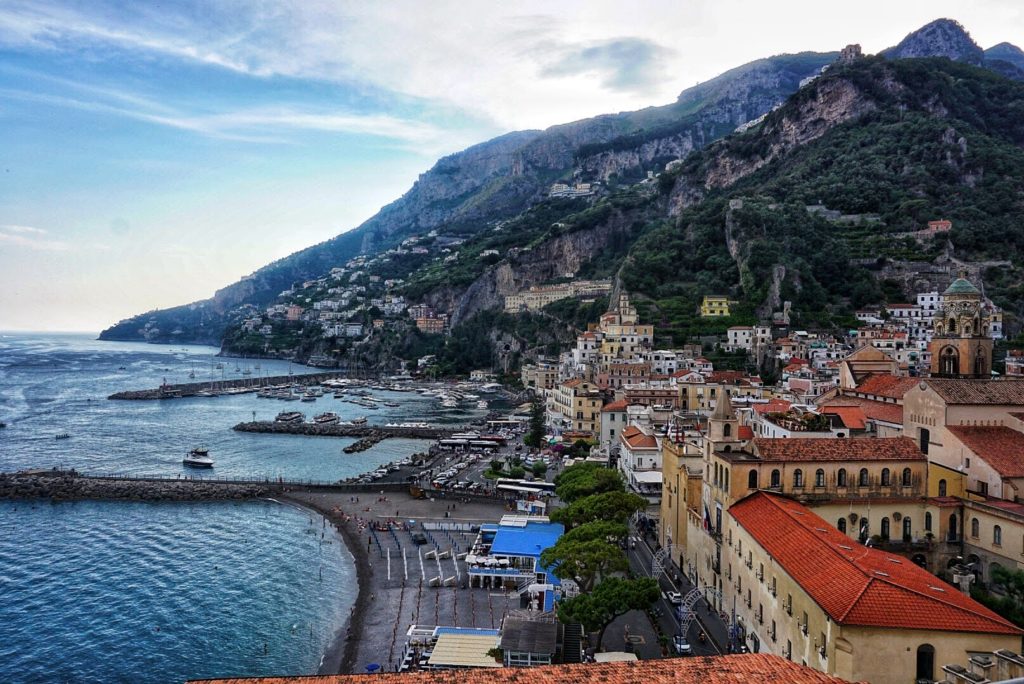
pixel 962 286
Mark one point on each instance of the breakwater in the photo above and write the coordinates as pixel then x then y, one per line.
pixel 343 430
pixel 67 485
pixel 211 388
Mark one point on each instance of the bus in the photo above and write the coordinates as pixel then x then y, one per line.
pixel 533 485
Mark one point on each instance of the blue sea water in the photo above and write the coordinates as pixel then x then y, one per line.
pixel 132 592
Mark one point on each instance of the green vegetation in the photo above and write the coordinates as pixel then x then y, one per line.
pixel 1010 584
pixel 609 599
pixel 585 479
pixel 535 435
pixel 588 557
pixel 610 506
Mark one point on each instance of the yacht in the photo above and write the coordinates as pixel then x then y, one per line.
pixel 198 458
pixel 482 404
pixel 361 420
pixel 289 417
pixel 327 418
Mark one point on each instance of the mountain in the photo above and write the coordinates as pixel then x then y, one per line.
pixel 940 38
pixel 1006 52
pixel 498 179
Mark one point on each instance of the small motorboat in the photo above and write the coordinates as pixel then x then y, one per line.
pixel 62 435
pixel 198 458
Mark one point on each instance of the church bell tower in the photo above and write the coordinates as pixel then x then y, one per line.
pixel 961 345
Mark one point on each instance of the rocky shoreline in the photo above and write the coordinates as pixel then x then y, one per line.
pixel 69 486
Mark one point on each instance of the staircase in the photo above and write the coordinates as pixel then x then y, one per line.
pixel 572 644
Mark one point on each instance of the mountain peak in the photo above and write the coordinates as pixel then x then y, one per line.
pixel 940 38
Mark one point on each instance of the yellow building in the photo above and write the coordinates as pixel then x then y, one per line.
pixel 576 405
pixel 714 305
pixel 993 537
pixel 802 590
pixel 681 471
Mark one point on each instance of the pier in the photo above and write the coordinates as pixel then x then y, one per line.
pixel 237 386
pixel 344 430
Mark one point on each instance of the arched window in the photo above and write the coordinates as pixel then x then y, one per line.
pixel 798 478
pixel 975 528
pixel 927 522
pixel 968 330
pixel 949 362
pixel 907 528
pixel 726 479
pixel 997 535
pixel 885 477
pixel 925 663
pixel 885 528
pixel 841 477
pixel 819 478
pixel 727 430
pixel 907 477
pixel 942 488
pixel 954 530
pixel 862 479
pixel 842 525
pixel 776 479
pixel 952 326
pixel 752 479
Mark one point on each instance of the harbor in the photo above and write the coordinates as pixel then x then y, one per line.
pixel 315 429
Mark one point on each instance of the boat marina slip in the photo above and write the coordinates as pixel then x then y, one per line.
pixel 112 482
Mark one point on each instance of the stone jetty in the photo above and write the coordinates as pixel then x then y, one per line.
pixel 192 389
pixel 343 430
pixel 69 485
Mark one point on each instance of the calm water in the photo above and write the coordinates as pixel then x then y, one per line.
pixel 126 592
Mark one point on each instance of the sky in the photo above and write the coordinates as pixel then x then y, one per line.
pixel 153 152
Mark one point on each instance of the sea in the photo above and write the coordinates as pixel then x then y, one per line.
pixel 153 593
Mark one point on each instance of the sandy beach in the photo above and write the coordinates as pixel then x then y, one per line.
pixel 384 608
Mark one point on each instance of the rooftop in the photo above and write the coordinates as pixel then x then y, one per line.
pixel 993 392
pixel 888 386
pixel 619 405
pixel 532 636
pixel 857 585
pixel 528 540
pixel 830 449
pixel 874 410
pixel 852 417
pixel 750 668
pixel 1001 447
pixel 961 286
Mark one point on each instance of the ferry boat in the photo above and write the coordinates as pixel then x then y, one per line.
pixel 290 417
pixel 327 418
pixel 198 458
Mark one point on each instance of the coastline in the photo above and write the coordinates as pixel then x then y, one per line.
pixel 340 656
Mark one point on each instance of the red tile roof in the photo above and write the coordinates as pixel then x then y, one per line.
pixel 874 410
pixel 619 405
pixel 888 386
pixel 852 416
pixel 724 376
pixel 772 406
pixel 638 439
pixel 993 392
pixel 834 449
pixel 745 432
pixel 854 584
pixel 999 446
pixel 751 668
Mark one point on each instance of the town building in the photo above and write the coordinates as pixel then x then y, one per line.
pixel 714 305
pixel 640 461
pixel 575 405
pixel 961 343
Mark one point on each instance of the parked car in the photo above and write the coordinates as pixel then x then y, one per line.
pixel 419 538
pixel 674 597
pixel 681 646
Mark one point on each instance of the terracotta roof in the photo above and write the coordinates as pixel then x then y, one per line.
pixel 852 416
pixel 750 668
pixel 1018 416
pixel 1001 447
pixel 772 406
pixel 857 585
pixel 619 405
pixel 834 449
pixel 638 439
pixel 874 410
pixel 888 386
pixel 724 376
pixel 995 392
pixel 745 432
pixel 575 382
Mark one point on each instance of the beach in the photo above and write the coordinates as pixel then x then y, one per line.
pixel 384 608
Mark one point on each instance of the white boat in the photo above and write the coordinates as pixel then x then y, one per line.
pixel 198 458
pixel 327 418
pixel 482 404
pixel 358 421
pixel 289 417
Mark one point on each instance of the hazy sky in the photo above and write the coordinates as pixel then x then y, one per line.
pixel 152 152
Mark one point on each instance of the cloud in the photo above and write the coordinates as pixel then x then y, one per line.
pixel 30 238
pixel 630 65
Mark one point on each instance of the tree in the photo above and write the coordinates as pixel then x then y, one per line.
pixel 584 479
pixel 609 599
pixel 539 468
pixel 497 465
pixel 516 472
pixel 609 506
pixel 588 553
pixel 535 436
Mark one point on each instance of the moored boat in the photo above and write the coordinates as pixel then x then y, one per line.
pixel 198 458
pixel 327 418
pixel 289 417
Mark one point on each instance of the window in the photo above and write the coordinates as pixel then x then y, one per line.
pixel 885 477
pixel 997 535
pixel 752 479
pixel 927 522
pixel 798 478
pixel 776 479
pixel 906 478
pixel 975 527
pixel 841 477
pixel 727 430
pixel 923 439
pixel 862 479
pixel 925 663
pixel 819 478
pixel 885 528
pixel 942 488
pixel 842 525
pixel 907 528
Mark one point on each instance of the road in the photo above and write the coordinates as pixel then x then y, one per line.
pixel 641 558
